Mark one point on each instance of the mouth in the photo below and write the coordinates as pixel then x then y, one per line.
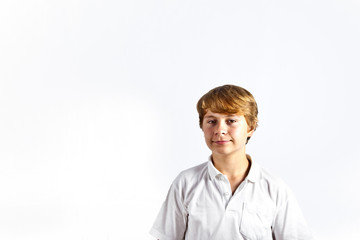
pixel 222 142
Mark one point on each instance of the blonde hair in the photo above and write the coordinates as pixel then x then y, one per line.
pixel 229 99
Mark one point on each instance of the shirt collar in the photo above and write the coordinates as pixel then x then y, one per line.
pixel 252 176
pixel 213 172
pixel 254 170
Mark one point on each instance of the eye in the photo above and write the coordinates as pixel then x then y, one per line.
pixel 231 121
pixel 211 122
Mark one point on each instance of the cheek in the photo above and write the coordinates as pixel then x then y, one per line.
pixel 238 133
pixel 207 134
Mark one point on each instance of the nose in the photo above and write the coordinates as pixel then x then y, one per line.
pixel 221 128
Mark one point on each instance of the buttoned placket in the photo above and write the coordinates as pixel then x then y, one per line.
pixel 224 188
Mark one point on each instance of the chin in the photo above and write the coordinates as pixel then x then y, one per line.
pixel 221 152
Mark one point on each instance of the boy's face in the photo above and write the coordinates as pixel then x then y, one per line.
pixel 225 134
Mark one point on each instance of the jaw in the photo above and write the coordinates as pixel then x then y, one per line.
pixel 228 149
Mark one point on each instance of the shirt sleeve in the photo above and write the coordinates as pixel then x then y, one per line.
pixel 289 222
pixel 171 221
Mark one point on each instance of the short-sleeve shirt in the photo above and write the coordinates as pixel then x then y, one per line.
pixel 200 205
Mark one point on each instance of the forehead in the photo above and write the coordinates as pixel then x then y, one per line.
pixel 210 114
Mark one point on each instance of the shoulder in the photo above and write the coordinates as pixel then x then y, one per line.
pixel 272 185
pixel 192 174
pixel 267 177
pixel 191 177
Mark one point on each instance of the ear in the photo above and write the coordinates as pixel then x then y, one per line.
pixel 250 132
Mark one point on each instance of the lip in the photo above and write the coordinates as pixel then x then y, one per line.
pixel 222 142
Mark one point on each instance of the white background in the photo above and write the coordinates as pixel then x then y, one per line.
pixel 97 107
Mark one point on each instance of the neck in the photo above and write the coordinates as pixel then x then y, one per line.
pixel 231 165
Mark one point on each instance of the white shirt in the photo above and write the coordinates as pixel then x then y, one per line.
pixel 200 206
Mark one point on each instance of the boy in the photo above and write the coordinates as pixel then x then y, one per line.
pixel 229 196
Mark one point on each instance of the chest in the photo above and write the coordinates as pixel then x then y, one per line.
pixel 214 211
